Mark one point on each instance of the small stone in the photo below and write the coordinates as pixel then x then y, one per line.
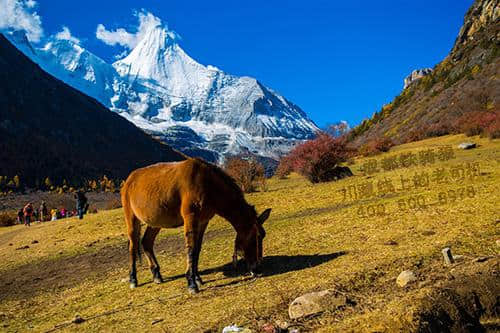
pixel 391 242
pixel 428 232
pixel 448 257
pixel 23 247
pixel 405 277
pixel 234 329
pixel 315 302
pixel 10 244
pixel 268 328
pixel 481 259
pixel 156 321
pixel 34 242
pixel 78 319
pixel 282 324
pixel 467 145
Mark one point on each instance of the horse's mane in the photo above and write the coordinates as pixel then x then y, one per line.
pixel 227 179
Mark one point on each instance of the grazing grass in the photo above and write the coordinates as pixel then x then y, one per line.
pixel 315 240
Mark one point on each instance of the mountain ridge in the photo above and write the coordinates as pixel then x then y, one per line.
pixel 49 129
pixel 160 88
pixel 463 83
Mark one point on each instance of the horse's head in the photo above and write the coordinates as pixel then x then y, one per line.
pixel 251 242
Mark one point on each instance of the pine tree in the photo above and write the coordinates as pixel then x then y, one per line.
pixel 47 183
pixel 17 181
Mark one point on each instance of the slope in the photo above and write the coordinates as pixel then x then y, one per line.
pixel 315 240
pixel 466 81
pixel 49 129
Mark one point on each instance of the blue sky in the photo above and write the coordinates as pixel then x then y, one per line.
pixel 337 60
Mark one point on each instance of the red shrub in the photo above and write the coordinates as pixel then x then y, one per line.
pixel 479 123
pixel 316 159
pixel 248 174
pixel 493 130
pixel 7 219
pixel 439 129
pixel 376 146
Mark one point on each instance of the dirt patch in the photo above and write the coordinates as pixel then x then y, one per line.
pixel 460 298
pixel 457 304
pixel 58 274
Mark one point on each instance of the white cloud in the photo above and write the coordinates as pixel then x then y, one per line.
pixel 121 55
pixel 120 36
pixel 66 34
pixel 19 15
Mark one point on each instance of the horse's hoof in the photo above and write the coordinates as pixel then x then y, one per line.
pixel 158 280
pixel 133 285
pixel 193 290
pixel 199 282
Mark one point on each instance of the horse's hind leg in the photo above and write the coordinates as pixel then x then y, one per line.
pixel 147 244
pixel 134 231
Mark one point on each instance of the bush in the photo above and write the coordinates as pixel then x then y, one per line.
pixel 493 130
pixel 113 204
pixel 7 219
pixel 248 174
pixel 479 123
pixel 438 129
pixel 316 159
pixel 377 146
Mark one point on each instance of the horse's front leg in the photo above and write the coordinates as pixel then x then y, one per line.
pixel 196 252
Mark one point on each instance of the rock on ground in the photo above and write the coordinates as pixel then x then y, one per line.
pixel 467 145
pixel 405 277
pixel 315 302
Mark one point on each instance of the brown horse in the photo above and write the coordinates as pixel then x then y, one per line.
pixel 189 193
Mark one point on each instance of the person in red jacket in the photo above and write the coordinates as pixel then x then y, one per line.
pixel 28 212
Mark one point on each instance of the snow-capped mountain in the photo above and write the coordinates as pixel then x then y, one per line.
pixel 193 107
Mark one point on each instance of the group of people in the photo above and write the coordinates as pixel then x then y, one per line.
pixel 28 214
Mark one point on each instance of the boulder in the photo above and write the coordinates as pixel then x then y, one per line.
pixel 467 145
pixel 315 302
pixel 405 277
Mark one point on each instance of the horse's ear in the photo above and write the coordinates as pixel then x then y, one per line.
pixel 264 216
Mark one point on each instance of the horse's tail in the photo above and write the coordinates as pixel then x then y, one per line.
pixel 133 223
pixel 137 234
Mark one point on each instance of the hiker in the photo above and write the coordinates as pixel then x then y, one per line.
pixel 20 216
pixel 43 211
pixel 63 213
pixel 81 204
pixel 28 212
pixel 53 213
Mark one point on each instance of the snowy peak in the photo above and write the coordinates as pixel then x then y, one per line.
pixel 164 91
pixel 156 57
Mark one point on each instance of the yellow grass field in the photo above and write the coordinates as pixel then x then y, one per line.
pixel 339 235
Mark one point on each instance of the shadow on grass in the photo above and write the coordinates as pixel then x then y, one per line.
pixel 271 265
pixel 275 265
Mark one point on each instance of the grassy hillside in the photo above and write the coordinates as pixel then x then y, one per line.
pixel 464 83
pixel 316 239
